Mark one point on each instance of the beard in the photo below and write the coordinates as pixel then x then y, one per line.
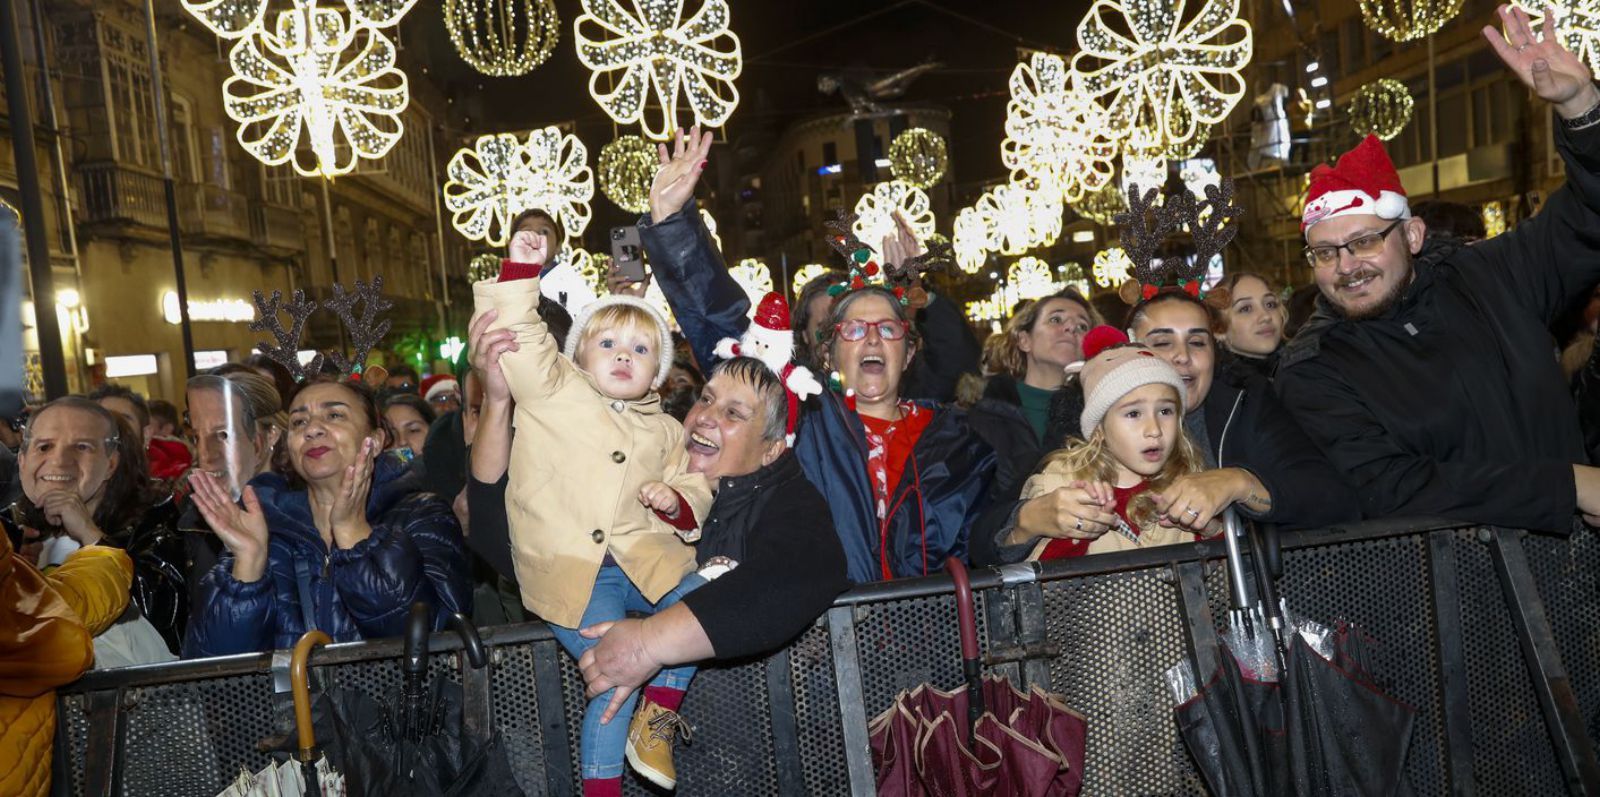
pixel 1384 302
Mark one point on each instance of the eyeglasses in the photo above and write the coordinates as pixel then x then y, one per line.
pixel 1368 245
pixel 445 398
pixel 856 329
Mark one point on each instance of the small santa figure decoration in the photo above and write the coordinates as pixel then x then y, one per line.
pixel 770 340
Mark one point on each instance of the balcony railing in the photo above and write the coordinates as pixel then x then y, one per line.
pixel 212 211
pixel 113 193
pixel 277 227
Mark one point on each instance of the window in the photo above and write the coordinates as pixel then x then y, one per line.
pixel 280 185
pixel 185 153
pixel 132 111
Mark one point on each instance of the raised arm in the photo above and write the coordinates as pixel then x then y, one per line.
pixel 534 368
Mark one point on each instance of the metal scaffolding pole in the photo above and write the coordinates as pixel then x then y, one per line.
pixel 160 99
pixel 51 361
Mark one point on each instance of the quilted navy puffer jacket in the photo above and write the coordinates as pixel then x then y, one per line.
pixel 415 553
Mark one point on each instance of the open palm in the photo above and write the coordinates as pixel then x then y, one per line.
pixel 680 170
pixel 1554 73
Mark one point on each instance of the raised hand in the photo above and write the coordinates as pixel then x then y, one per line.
pixel 486 346
pixel 673 186
pixel 242 529
pixel 1553 72
pixel 529 247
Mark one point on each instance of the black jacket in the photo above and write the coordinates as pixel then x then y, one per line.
pixel 948 350
pixel 1452 403
pixel 999 420
pixel 776 526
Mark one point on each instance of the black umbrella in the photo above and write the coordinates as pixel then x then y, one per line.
pixel 422 742
pixel 1292 707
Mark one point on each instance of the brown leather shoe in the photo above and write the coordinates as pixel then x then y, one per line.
pixel 650 737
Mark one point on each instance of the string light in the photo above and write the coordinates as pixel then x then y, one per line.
pixel 503 38
pixel 233 19
pixel 1165 62
pixel 1112 267
pixel 991 309
pixel 875 213
pixel 484 266
pixel 1382 108
pixel 1101 207
pixel 711 227
pixel 627 168
pixel 754 276
pixel 1494 218
pixel 319 91
pixel 661 56
pixel 499 177
pixel 1020 217
pixel 918 156
pixel 804 276
pixel 1408 20
pixel 1055 135
pixel 1577 23
pixel 971 240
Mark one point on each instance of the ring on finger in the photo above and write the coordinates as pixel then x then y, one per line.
pixel 1079 525
pixel 1193 511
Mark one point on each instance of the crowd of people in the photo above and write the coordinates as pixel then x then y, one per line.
pixel 662 504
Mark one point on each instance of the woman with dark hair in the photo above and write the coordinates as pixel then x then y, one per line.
pixel 1257 456
pixel 407 417
pixel 271 370
pixel 345 542
pixel 1253 316
pixel 810 314
pixel 904 479
pixel 84 483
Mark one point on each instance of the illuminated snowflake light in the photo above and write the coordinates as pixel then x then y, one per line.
pixel 1020 217
pixel 500 176
pixel 1029 278
pixel 233 19
pixel 711 227
pixel 875 213
pixel 1055 135
pixel 754 276
pixel 804 276
pixel 1577 24
pixel 971 240
pixel 660 57
pixel 1112 267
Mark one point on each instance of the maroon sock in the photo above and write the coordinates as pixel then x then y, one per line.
pixel 669 699
pixel 602 787
pixel 517 271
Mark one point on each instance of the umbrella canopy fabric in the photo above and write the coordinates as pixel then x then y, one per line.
pixel 1027 745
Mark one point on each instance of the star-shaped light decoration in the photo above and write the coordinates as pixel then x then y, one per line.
pixel 875 213
pixel 661 57
pixel 318 92
pixel 1055 135
pixel 1142 76
pixel 1020 217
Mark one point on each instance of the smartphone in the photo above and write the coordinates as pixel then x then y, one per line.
pixel 626 253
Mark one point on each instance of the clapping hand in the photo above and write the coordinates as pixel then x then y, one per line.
pixel 242 529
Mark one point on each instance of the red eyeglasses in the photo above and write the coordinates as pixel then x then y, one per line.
pixel 856 329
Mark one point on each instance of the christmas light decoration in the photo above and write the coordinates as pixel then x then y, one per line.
pixel 918 156
pixel 319 91
pixel 1029 278
pixel 1101 207
pixel 1020 217
pixel 658 300
pixel 991 309
pixel 627 168
pixel 1382 108
pixel 1072 276
pixel 1577 23
pixel 1408 20
pixel 661 56
pixel 804 276
pixel 754 276
pixel 499 177
pixel 503 38
pixel 1494 218
pixel 875 213
pixel 1165 73
pixel 1112 267
pixel 483 266
pixel 1055 135
pixel 971 241
pixel 1146 174
pixel 711 228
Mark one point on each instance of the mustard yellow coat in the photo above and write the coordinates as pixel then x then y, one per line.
pixel 1056 475
pixel 47 627
pixel 578 460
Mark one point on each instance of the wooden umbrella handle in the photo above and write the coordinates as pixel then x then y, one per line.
pixel 302 690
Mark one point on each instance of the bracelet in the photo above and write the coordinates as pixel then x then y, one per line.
pixel 1588 118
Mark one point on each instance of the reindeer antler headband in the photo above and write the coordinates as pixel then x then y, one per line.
pixel 364 329
pixel 864 271
pixel 1144 228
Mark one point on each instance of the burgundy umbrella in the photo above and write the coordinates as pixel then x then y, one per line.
pixel 985 739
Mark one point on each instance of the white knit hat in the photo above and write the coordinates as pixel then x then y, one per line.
pixel 1116 372
pixel 664 349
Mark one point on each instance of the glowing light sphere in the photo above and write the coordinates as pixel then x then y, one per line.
pixel 804 275
pixel 1408 20
pixel 503 38
pixel 644 53
pixel 1112 267
pixel 1054 135
pixel 500 176
pixel 918 156
pixel 1170 75
pixel 1101 207
pixel 875 213
pixel 319 92
pixel 483 266
pixel 1382 108
pixel 971 241
pixel 627 167
pixel 1577 23
pixel 1494 218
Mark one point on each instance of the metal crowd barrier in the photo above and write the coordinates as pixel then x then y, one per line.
pixel 1492 635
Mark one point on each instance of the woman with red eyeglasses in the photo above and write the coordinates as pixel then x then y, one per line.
pixel 904 479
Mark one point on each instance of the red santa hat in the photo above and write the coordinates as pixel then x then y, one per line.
pixel 437 384
pixel 772 313
pixel 1363 182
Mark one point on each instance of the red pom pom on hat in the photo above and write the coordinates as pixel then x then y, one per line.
pixel 1101 338
pixel 773 312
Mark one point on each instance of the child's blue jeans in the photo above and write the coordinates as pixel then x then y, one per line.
pixel 613 597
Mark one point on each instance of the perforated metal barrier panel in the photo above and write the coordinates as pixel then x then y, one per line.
pixel 1436 601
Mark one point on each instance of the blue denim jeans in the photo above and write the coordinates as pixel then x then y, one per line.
pixel 614 595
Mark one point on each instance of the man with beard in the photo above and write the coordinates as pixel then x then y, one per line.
pixel 1427 373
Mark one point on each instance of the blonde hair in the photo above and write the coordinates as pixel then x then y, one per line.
pixel 1008 357
pixel 621 317
pixel 1091 460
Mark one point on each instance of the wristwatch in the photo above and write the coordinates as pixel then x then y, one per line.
pixel 1586 119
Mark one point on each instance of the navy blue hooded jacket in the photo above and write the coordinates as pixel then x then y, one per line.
pixel 950 466
pixel 415 553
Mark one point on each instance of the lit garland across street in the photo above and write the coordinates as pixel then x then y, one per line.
pixel 500 176
pixel 875 213
pixel 1168 61
pixel 627 168
pixel 652 57
pixel 318 91
pixel 1020 217
pixel 1382 108
pixel 1408 20
pixel 1053 134
pixel 503 38
pixel 918 157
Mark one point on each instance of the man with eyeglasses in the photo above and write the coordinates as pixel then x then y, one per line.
pixel 1427 372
